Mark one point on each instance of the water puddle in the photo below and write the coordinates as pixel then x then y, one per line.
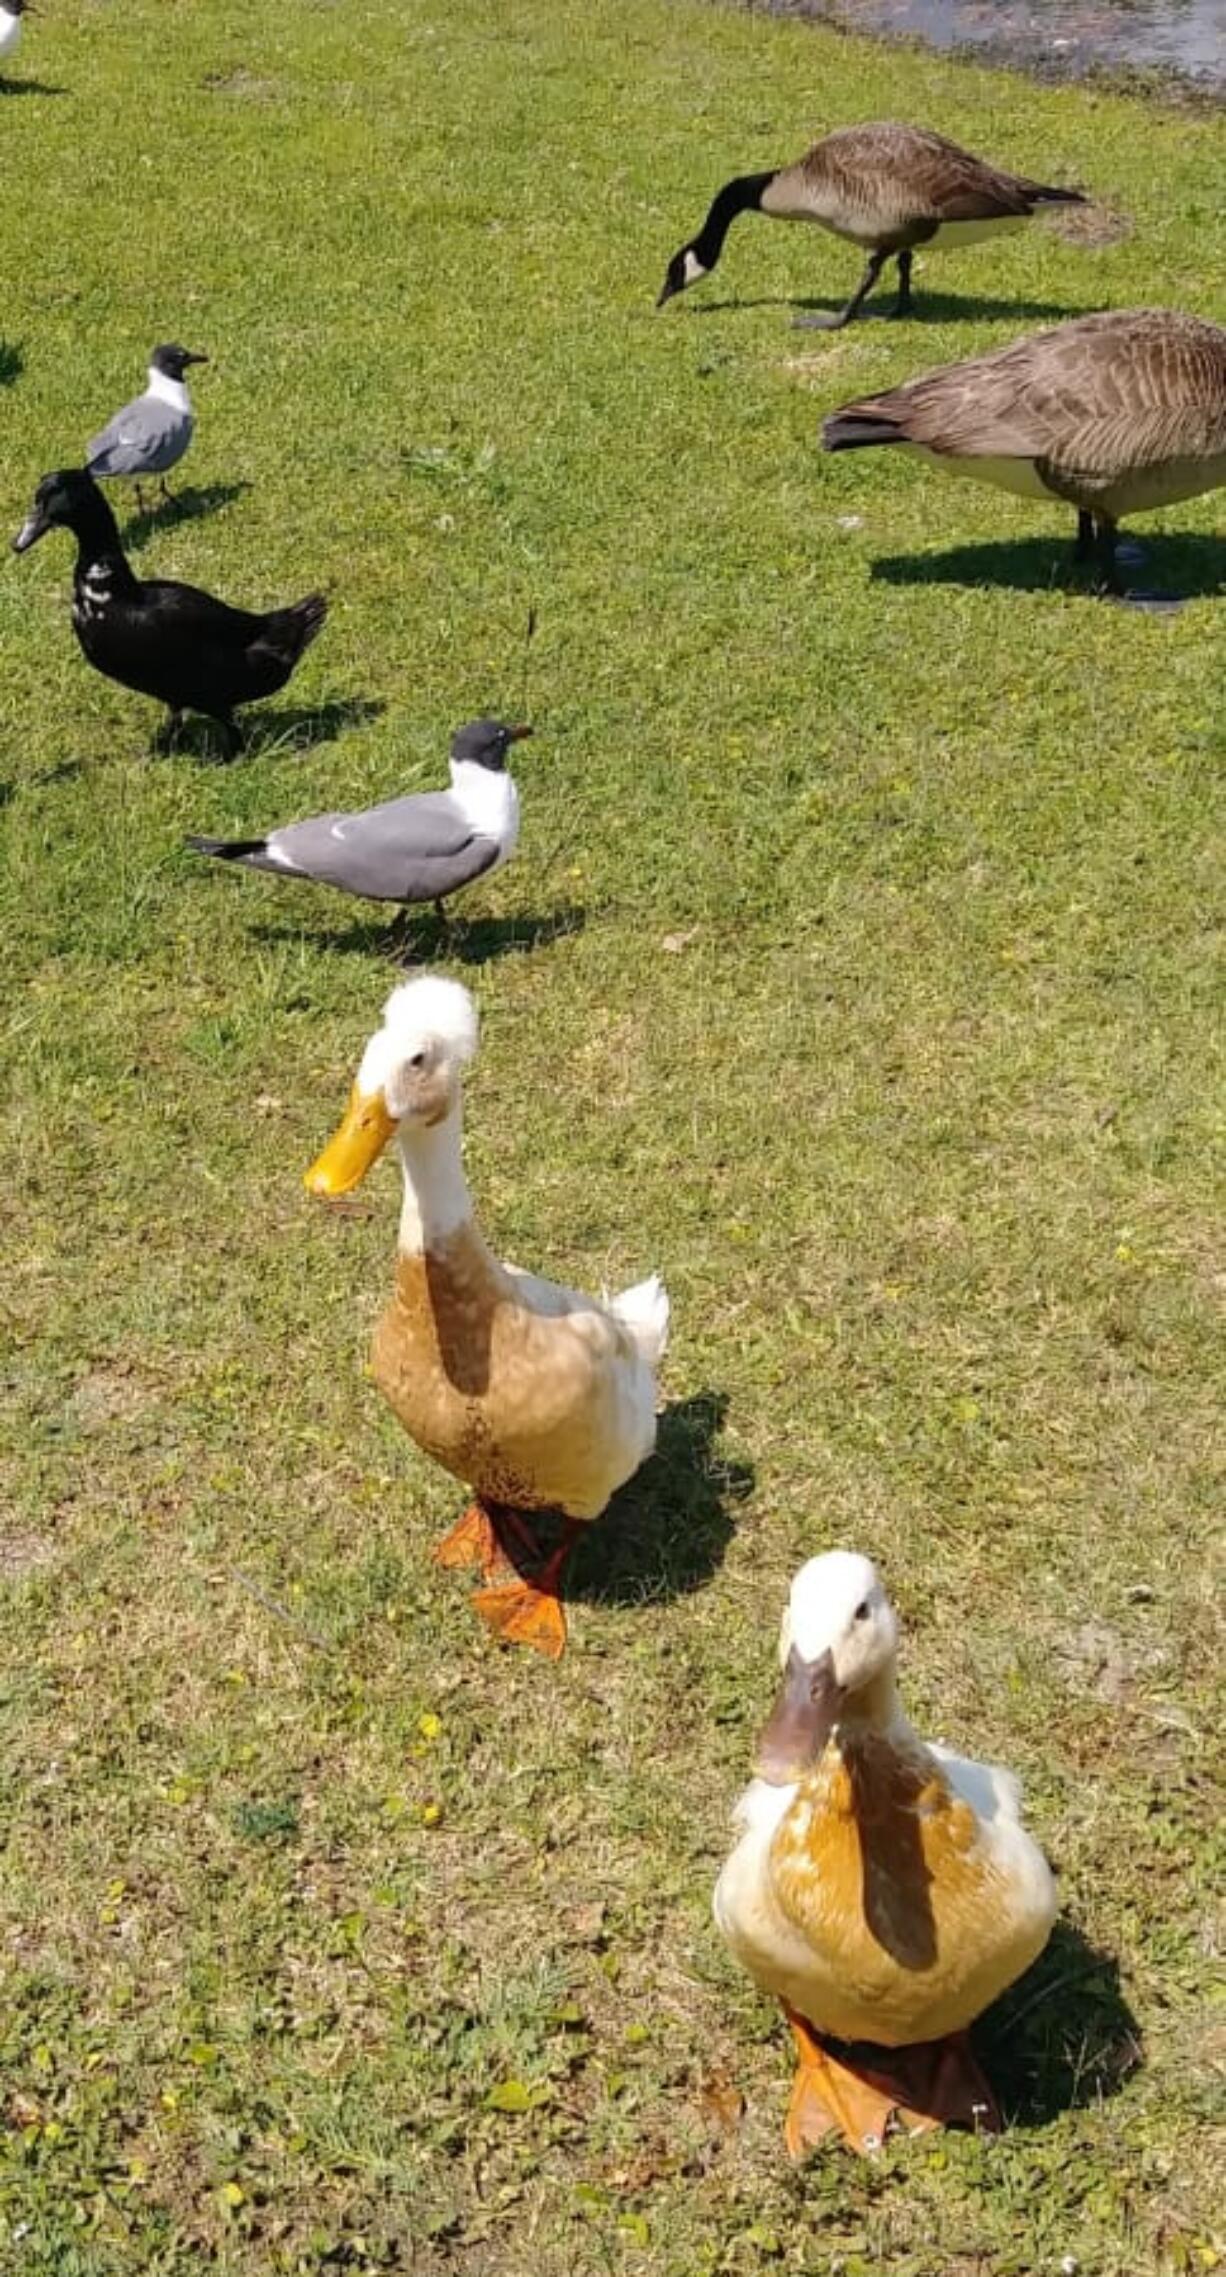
pixel 1184 40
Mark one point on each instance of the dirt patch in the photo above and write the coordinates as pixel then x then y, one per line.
pixel 23 1555
pixel 242 86
pixel 1093 226
pixel 109 1393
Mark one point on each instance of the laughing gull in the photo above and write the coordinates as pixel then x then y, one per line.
pixel 413 849
pixel 151 433
pixel 11 13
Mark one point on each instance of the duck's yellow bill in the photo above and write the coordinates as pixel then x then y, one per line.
pixel 358 1143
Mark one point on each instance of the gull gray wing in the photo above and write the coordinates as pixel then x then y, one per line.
pixel 411 849
pixel 146 437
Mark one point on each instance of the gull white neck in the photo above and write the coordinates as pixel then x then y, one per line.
pixel 168 390
pixel 490 802
pixel 436 1197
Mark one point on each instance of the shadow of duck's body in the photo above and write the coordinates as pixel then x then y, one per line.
pixel 170 641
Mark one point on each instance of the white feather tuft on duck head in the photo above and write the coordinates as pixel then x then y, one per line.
pixel 837 1604
pixel 408 1082
pixel 416 1059
pixel 837 1648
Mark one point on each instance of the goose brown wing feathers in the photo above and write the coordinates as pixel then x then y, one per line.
pixel 1102 396
pixel 907 176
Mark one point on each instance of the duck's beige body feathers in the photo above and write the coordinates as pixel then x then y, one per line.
pixel 531 1394
pixel 1113 413
pixel 891 1894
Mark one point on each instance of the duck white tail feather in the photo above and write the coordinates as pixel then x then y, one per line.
pixel 644 1311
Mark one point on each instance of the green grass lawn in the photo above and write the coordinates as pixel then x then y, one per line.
pixel 856 972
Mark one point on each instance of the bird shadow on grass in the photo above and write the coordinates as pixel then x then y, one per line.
pixel 293 728
pixel 464 941
pixel 9 87
pixel 668 1529
pixel 65 771
pixel 1064 2036
pixel 12 363
pixel 927 308
pixel 1177 568
pixel 190 505
pixel 297 727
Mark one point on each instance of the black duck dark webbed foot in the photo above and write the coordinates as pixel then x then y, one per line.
pixel 167 736
pixel 231 734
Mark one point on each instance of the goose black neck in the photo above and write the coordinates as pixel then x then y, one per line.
pixel 744 195
pixel 97 535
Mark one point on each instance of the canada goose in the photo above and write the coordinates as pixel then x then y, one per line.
pixel 1112 414
pixel 886 187
pixel 165 640
pixel 150 434
pixel 412 849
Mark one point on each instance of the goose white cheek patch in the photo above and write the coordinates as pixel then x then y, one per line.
pixel 694 269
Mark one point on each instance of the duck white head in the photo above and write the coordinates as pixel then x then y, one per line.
pixel 408 1084
pixel 837 1648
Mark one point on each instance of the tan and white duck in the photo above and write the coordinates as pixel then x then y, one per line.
pixel 538 1398
pixel 884 186
pixel 881 1887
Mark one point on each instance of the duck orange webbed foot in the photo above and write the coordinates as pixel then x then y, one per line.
pixel 519 1613
pixel 864 2097
pixel 472 1541
pixel 524 1611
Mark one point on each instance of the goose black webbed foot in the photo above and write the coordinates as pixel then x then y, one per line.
pixel 827 323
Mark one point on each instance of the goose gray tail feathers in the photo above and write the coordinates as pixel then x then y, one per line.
pixel 1047 194
pixel 856 430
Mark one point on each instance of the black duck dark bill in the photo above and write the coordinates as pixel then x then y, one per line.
pixel 34 527
pixel 795 1733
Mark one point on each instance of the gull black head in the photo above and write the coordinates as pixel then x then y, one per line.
pixel 485 743
pixel 173 361
pixel 62 501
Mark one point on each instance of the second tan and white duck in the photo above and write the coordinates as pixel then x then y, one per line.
pixel 883 186
pixel 541 1400
pixel 883 1888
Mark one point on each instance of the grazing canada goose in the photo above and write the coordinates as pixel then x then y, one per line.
pixel 165 640
pixel 412 849
pixel 538 1398
pixel 150 434
pixel 1111 414
pixel 887 188
pixel 883 1888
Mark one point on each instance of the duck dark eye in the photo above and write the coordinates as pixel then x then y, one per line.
pixel 417 1059
pixel 862 1610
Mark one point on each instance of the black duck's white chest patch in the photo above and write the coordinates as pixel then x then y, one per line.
pixel 93 596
